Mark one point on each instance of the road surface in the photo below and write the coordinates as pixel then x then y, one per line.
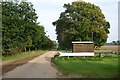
pixel 39 67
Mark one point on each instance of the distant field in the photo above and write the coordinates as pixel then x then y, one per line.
pixel 110 47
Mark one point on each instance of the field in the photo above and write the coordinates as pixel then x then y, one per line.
pixel 105 67
pixel 110 47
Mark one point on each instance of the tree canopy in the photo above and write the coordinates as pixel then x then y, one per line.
pixel 81 21
pixel 20 31
pixel 116 42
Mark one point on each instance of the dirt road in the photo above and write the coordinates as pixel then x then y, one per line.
pixel 39 67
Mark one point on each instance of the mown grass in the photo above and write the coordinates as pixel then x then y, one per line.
pixel 0 57
pixel 104 67
pixel 22 55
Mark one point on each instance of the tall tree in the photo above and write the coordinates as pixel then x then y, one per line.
pixel 20 31
pixel 0 27
pixel 81 21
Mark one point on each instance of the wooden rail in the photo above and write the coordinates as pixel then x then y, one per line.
pixel 77 54
pixel 100 52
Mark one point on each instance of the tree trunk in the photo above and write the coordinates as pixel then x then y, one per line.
pixel 35 48
pixel 29 49
pixel 25 49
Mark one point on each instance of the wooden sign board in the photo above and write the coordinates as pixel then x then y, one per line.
pixel 83 47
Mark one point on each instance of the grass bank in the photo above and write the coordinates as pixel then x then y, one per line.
pixel 104 67
pixel 0 57
pixel 22 55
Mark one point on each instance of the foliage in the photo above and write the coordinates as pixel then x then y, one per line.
pixel 0 58
pixel 20 31
pixel 116 42
pixel 81 21
pixel 48 42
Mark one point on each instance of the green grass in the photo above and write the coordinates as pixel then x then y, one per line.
pixel 22 55
pixel 0 57
pixel 105 67
pixel 0 51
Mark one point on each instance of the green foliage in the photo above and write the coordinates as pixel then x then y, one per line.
pixel 20 31
pixel 0 58
pixel 116 42
pixel 47 43
pixel 81 21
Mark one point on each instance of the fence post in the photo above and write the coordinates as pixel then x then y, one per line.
pixel 99 55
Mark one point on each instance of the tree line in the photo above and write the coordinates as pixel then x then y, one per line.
pixel 115 42
pixel 20 30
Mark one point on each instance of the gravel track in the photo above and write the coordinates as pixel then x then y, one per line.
pixel 39 67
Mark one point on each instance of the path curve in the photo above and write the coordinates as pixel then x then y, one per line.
pixel 40 67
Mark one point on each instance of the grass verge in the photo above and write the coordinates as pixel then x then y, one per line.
pixel 0 57
pixel 10 62
pixel 104 67
pixel 23 55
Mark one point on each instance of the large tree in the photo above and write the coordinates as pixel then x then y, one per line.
pixel 81 21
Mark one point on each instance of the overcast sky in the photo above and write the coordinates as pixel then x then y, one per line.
pixel 48 11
